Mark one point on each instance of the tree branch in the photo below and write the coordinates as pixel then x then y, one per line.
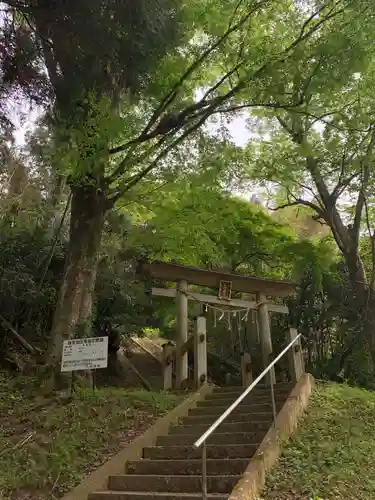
pixel 235 10
pixel 139 176
pixel 198 112
pixel 372 243
pixel 226 76
pixel 315 14
pixel 171 122
pixel 284 125
pixel 322 117
pixel 299 201
pixel 365 174
pixel 341 186
pixel 20 6
pixel 170 97
pixel 17 336
pixel 332 216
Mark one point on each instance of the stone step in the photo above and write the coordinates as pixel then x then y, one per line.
pixel 228 388
pixel 147 372
pixel 243 408
pixel 146 362
pixel 226 403
pixel 280 386
pixel 197 427
pixel 251 398
pixel 189 453
pixel 232 396
pixel 187 467
pixel 171 470
pixel 216 439
pixel 153 373
pixel 232 418
pixel 147 495
pixel 172 484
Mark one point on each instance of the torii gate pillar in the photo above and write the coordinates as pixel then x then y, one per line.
pixel 265 337
pixel 182 332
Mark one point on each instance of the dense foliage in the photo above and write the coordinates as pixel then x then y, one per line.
pixel 133 156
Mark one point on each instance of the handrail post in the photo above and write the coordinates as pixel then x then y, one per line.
pixel 272 390
pixel 274 413
pixel 295 356
pixel 204 471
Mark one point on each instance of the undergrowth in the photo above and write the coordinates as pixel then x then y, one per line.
pixel 46 447
pixel 332 455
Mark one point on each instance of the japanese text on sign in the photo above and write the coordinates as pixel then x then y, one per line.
pixel 84 354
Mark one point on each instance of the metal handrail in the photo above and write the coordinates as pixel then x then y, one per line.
pixel 233 406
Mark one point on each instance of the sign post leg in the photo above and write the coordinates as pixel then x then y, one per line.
pixel 72 384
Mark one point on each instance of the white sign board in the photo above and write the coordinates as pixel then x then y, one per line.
pixel 84 354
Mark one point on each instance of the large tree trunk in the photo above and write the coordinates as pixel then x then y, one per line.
pixel 364 298
pixel 366 302
pixel 74 306
pixel 52 214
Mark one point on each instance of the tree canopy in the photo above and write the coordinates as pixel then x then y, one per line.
pixel 133 156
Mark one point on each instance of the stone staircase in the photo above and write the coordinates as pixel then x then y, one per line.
pixel 216 369
pixel 147 366
pixel 172 469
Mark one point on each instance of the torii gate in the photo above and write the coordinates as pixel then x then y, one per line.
pixel 226 283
